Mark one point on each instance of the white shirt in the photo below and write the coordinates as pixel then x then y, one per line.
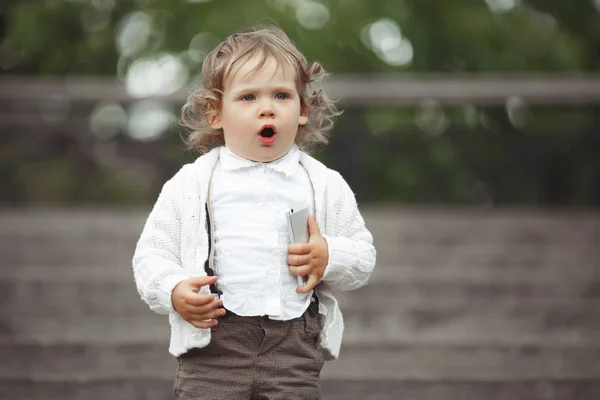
pixel 249 200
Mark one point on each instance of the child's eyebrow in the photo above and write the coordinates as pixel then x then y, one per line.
pixel 253 89
pixel 285 88
pixel 245 89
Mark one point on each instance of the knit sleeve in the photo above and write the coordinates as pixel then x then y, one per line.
pixel 157 264
pixel 351 251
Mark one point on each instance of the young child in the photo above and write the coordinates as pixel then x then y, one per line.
pixel 215 254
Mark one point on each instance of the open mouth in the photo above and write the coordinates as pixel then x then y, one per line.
pixel 267 135
pixel 267 132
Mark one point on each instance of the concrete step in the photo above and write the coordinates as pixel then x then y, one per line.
pixel 360 362
pixel 57 251
pixel 496 238
pixel 383 273
pixel 456 226
pixel 484 258
pixel 42 297
pixel 162 389
pixel 543 321
pixel 540 321
pixel 74 254
pixel 526 255
pixel 400 224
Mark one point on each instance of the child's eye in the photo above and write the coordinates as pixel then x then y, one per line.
pixel 281 96
pixel 247 97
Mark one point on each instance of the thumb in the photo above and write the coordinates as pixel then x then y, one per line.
pixel 313 228
pixel 200 281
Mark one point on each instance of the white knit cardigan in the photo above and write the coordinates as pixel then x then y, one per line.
pixel 174 246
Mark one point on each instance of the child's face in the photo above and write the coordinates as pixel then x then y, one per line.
pixel 252 103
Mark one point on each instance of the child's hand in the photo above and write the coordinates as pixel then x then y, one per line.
pixel 200 310
pixel 309 259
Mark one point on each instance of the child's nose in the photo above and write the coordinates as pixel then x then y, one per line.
pixel 266 111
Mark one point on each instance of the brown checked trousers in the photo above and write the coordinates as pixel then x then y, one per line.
pixel 255 358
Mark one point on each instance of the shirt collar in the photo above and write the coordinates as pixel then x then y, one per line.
pixel 286 164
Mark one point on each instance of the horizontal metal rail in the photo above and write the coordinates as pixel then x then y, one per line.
pixel 400 90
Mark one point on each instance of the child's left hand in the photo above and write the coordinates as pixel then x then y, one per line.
pixel 309 259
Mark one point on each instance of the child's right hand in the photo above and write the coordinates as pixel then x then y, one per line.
pixel 200 310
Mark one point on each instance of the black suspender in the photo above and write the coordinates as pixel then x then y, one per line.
pixel 207 268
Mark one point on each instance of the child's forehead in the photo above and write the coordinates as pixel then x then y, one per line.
pixel 245 68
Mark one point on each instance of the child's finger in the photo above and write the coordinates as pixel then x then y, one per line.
pixel 199 299
pixel 301 270
pixel 299 248
pixel 204 309
pixel 309 285
pixel 313 228
pixel 213 314
pixel 200 281
pixel 204 324
pixel 298 259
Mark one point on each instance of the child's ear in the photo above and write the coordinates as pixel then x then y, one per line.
pixel 303 116
pixel 215 121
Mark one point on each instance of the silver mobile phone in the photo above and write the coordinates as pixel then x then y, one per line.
pixel 297 224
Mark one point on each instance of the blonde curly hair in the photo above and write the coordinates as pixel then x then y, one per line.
pixel 269 42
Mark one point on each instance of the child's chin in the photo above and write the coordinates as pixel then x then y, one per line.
pixel 269 153
pixel 267 158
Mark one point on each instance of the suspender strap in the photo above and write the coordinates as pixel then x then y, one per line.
pixel 207 268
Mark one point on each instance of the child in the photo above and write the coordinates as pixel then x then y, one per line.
pixel 215 254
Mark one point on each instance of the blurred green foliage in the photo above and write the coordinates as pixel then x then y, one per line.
pixel 78 36
pixel 477 155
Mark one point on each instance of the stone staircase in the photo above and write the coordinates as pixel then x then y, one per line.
pixel 464 304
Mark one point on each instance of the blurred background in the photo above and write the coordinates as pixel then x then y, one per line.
pixel 469 135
